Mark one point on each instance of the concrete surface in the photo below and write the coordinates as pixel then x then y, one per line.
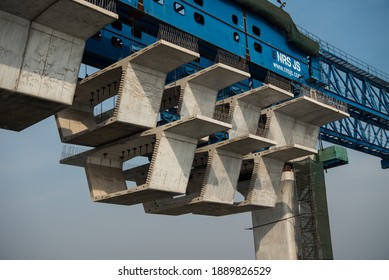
pixel 42 45
pixel 137 81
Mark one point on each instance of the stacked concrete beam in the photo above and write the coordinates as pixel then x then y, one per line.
pixel 212 189
pixel 41 47
pixel 170 148
pixel 295 125
pixel 137 81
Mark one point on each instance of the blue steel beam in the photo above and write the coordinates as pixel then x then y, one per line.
pixel 358 135
pixel 359 92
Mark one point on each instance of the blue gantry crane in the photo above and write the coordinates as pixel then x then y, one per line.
pixel 266 37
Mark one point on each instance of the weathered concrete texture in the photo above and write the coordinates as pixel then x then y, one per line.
pixel 274 237
pixel 76 18
pixel 171 154
pixel 198 92
pixel 310 110
pixel 298 121
pixel 259 181
pixel 212 189
pixel 39 61
pixel 137 82
pixel 214 178
pixel 245 108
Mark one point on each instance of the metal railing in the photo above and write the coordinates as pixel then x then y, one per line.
pixel 324 46
pixel 178 37
pixel 278 81
pixel 323 98
pixel 232 60
pixel 109 5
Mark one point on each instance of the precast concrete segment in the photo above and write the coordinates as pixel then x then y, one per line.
pixel 310 110
pixel 274 228
pixel 297 121
pixel 198 92
pixel 170 152
pixel 136 82
pixel 213 180
pixel 245 108
pixel 113 151
pixel 261 189
pixel 78 18
pixel 40 58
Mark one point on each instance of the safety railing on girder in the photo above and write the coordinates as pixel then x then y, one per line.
pixel 321 97
pixel 324 46
pixel 178 37
pixel 109 5
pixel 232 60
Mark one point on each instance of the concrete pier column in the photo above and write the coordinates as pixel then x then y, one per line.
pixel 274 228
pixel 295 125
pixel 41 45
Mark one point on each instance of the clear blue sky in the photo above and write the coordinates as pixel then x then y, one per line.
pixel 46 213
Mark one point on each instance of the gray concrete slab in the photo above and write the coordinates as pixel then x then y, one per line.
pixel 163 56
pixel 25 9
pixel 43 43
pixel 77 18
pixel 261 97
pixel 288 152
pixel 196 126
pixel 217 76
pixel 241 144
pixel 310 110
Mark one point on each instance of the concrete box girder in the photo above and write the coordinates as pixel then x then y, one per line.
pixel 77 18
pixel 38 72
pixel 216 182
pixel 138 87
pixel 262 190
pixel 197 93
pixel 261 97
pixel 171 155
pixel 114 150
pixel 310 110
pixel 243 144
pixel 288 152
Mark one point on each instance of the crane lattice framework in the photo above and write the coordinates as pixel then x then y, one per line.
pixel 366 92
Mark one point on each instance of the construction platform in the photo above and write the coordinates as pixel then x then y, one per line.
pixel 43 44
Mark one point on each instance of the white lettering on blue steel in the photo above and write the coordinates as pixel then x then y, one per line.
pixel 286 64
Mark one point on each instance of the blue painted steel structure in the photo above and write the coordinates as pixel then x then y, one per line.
pixel 222 24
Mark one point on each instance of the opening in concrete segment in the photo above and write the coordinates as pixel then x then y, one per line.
pixel 244 109
pixel 41 81
pixel 134 84
pixel 167 148
pixel 259 180
pixel 214 178
pixel 196 94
